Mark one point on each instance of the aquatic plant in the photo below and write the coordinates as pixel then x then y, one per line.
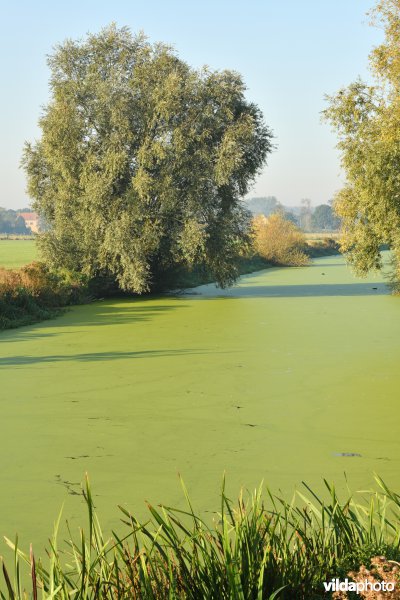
pixel 260 547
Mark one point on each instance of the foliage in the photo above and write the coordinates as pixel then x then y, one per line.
pixel 263 205
pixel 367 120
pixel 34 293
pixel 279 241
pixel 10 222
pixel 182 277
pixel 290 216
pixel 323 218
pixel 256 549
pixel 142 161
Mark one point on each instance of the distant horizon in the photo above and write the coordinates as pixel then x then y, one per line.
pixel 245 199
pixel 289 55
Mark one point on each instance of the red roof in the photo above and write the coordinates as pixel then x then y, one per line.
pixel 29 216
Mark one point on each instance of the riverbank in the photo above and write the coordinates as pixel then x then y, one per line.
pixel 31 293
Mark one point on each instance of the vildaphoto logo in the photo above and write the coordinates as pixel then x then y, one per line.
pixel 335 585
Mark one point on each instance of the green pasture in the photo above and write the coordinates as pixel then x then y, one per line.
pixel 291 375
pixel 17 253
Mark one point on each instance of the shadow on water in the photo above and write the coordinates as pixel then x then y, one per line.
pixel 133 310
pixel 125 312
pixel 94 356
pixel 299 291
pixel 95 314
pixel 326 264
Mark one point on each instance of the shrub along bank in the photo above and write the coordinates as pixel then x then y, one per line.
pixel 262 547
pixel 273 241
pixel 280 242
pixel 323 247
pixel 34 293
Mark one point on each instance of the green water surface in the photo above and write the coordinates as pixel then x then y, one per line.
pixel 274 379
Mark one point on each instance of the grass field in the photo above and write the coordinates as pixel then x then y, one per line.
pixel 17 253
pixel 323 235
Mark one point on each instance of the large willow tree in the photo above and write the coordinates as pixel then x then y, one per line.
pixel 367 119
pixel 142 161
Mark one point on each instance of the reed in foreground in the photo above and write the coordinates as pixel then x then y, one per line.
pixel 261 547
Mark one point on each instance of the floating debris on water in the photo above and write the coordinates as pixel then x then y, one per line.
pixel 348 454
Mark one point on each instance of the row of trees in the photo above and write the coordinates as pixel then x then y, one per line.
pixel 320 218
pixel 143 161
pixel 367 121
pixel 11 223
pixel 323 218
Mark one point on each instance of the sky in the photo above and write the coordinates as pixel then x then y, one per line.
pixel 289 52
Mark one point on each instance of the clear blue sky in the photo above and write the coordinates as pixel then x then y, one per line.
pixel 290 53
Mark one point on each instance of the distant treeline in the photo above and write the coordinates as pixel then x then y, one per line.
pixel 320 218
pixel 11 222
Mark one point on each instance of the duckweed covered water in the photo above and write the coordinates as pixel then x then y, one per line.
pixel 291 375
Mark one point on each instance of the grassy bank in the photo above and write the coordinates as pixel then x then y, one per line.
pixel 322 245
pixel 16 236
pixel 184 278
pixel 32 293
pixel 323 235
pixel 260 547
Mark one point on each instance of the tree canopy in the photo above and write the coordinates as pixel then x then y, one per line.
pixel 263 205
pixel 323 218
pixel 142 161
pixel 367 119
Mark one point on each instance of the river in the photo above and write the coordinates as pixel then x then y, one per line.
pixel 291 375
